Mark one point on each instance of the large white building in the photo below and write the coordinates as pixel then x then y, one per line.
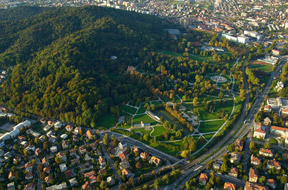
pixel 16 131
pixel 259 131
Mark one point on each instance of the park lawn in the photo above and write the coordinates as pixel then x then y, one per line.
pixel 107 121
pixel 128 109
pixel 159 130
pixel 142 130
pixel 208 136
pixel 177 143
pixel 210 126
pixel 164 149
pixel 204 115
pixel 145 118
pixel 238 106
pixel 227 106
pixel 141 109
pixel 265 68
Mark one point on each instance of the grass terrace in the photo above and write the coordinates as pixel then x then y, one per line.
pixel 210 126
pixel 145 118
pixel 107 121
pixel 128 109
pixel 159 130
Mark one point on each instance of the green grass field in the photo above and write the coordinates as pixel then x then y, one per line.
pixel 145 118
pixel 107 121
pixel 128 109
pixel 141 109
pixel 209 136
pixel 164 149
pixel 210 126
pixel 257 65
pixel 142 130
pixel 158 131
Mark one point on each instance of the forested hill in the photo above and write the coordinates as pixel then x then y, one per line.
pixel 62 57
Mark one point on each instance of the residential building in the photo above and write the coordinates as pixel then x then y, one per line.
pixel 267 108
pixel 155 160
pixel 255 160
pixel 30 186
pixel 82 149
pixel 229 186
pixel 266 152
pixel 216 166
pixel 267 121
pixel 254 186
pixel 259 131
pixel 110 180
pixel 233 172
pixel 279 131
pixel 235 157
pixel 253 175
pixel 73 182
pixel 272 183
pixel 63 167
pixel 203 179
pixel 239 144
pixel 273 164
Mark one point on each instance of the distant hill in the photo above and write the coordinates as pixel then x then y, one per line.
pixel 62 57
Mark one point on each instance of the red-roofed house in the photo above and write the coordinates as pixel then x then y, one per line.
pixel 233 172
pixel 255 160
pixel 267 108
pixel 253 175
pixel 254 186
pixel 203 179
pixel 122 156
pixel 229 186
pixel 239 144
pixel 69 128
pixel 86 186
pixel 30 186
pixel 259 132
pixel 272 183
pixel 273 164
pixel 265 152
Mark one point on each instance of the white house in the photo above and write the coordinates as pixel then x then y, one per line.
pixel 58 124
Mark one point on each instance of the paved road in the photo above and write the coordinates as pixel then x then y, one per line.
pixel 145 147
pixel 111 162
pixel 246 151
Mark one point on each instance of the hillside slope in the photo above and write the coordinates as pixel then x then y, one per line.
pixel 63 66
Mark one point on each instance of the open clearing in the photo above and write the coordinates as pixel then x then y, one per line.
pixel 210 126
pixel 107 121
pixel 145 118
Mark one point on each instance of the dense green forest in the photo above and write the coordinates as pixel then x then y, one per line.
pixel 62 59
